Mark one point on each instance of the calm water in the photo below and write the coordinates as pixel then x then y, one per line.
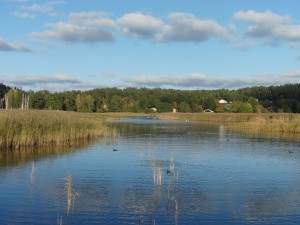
pixel 218 178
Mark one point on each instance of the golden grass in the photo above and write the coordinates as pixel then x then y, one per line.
pixel 265 122
pixel 26 128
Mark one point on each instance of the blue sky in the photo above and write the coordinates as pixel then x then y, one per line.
pixel 205 44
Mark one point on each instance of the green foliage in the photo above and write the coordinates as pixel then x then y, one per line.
pixel 184 107
pixel 37 100
pixel 253 102
pixel 3 90
pixel 14 98
pixel 219 107
pixel 209 102
pixel 246 108
pixel 241 107
pixel 284 98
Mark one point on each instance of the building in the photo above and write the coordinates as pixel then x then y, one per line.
pixel 222 101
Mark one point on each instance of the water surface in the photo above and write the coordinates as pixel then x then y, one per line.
pixel 218 178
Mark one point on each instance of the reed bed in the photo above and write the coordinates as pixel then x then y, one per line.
pixel 265 122
pixel 27 128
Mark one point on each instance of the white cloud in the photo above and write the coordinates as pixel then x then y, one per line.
pixel 91 18
pixel 14 47
pixel 24 15
pixel 82 27
pixel 187 27
pixel 141 26
pixel 182 27
pixel 31 11
pixel 202 81
pixel 37 80
pixel 269 25
pixel 61 82
pixel 54 82
pixel 292 74
pixel 74 33
pixel 37 8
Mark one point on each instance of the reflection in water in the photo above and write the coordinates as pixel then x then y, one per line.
pixel 164 172
pixel 24 155
pixel 32 173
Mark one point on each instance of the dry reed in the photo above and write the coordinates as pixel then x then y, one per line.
pixel 265 122
pixel 25 128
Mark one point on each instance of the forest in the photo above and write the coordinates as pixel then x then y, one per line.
pixel 258 99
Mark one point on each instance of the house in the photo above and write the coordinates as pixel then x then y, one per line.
pixel 153 109
pixel 222 101
pixel 208 111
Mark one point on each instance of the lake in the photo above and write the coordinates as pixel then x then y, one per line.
pixel 156 172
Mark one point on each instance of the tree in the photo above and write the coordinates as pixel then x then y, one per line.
pixel 219 107
pixel 78 103
pixel 165 107
pixel 116 104
pixel 184 107
pixel 209 102
pixel 89 103
pixel 37 100
pixel 254 102
pixel 246 108
pixel 14 98
pixel 3 90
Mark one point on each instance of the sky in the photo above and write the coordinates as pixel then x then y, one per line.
pixel 196 44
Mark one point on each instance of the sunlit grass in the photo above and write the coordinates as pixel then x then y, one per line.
pixel 266 122
pixel 25 128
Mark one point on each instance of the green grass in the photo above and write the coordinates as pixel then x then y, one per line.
pixel 27 128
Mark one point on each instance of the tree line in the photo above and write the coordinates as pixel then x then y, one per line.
pixel 282 98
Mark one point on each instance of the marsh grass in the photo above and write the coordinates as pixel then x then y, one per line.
pixel 264 123
pixel 273 124
pixel 25 128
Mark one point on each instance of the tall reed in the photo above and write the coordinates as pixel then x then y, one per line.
pixel 264 122
pixel 19 128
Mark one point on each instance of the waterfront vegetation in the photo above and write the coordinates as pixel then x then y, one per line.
pixel 253 122
pixel 31 128
pixel 27 128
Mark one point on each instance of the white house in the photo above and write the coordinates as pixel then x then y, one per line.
pixel 208 111
pixel 222 101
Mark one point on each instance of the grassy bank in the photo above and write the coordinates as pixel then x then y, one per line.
pixel 267 122
pixel 19 128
